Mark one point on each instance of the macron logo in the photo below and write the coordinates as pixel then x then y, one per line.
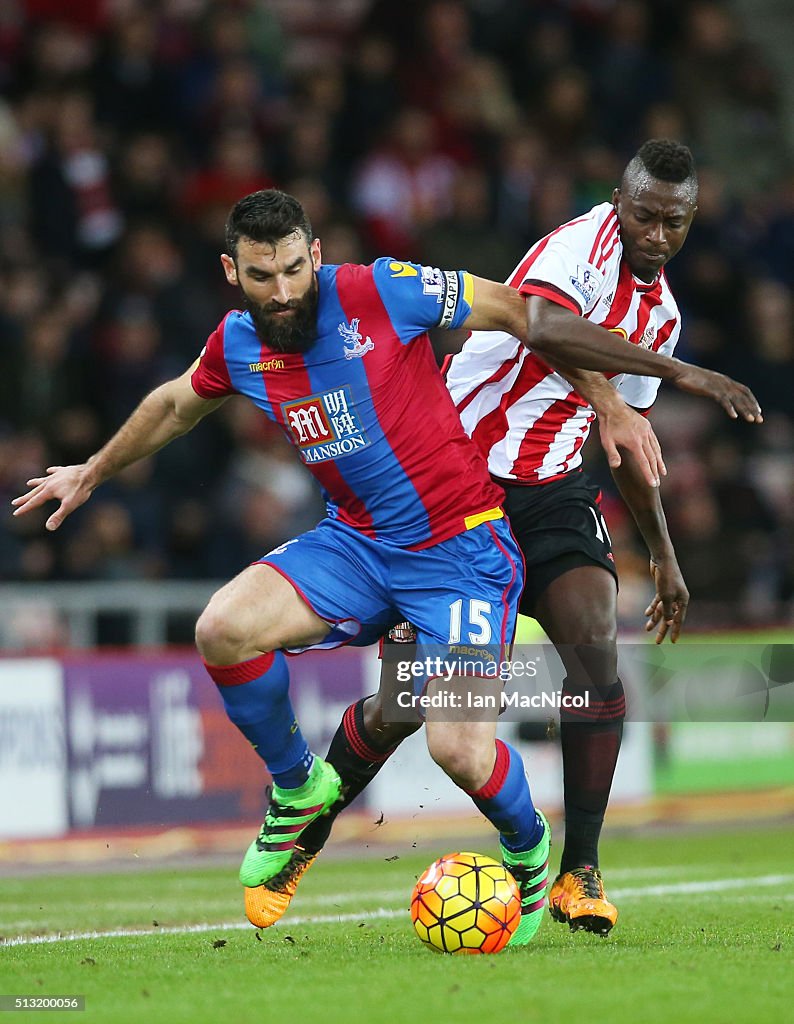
pixel 269 364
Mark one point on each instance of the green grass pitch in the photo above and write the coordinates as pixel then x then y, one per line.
pixel 706 935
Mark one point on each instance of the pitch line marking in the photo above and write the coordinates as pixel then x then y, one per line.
pixel 383 913
pixel 189 929
pixel 687 888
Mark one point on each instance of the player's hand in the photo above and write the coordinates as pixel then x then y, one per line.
pixel 736 399
pixel 68 484
pixel 622 427
pixel 667 611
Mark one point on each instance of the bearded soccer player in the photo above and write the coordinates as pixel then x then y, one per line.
pixel 339 358
pixel 591 286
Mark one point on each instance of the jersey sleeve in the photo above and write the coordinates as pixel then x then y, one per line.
pixel 563 273
pixel 210 377
pixel 419 298
pixel 640 392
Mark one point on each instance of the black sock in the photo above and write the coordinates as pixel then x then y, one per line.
pixel 590 747
pixel 355 755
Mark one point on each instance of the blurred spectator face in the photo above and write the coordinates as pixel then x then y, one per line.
pixel 111 527
pixel 147 163
pixel 136 35
pixel 85 170
pixel 665 121
pixel 279 285
pixel 315 200
pixel 341 243
pixel 655 218
pixel 553 201
pixel 725 460
pixel 24 292
pixel 238 154
pixel 61 52
pixel 375 57
pixel 712 201
pixel 104 545
pixel 227 32
pixel 324 89
pixel 21 457
pixel 413 134
pixel 446 28
pixel 478 97
pixel 568 97
pixel 74 127
pixel 48 339
pixel 698 516
pixel 261 512
pixel 629 23
pixel 522 156
pixel 238 85
pixel 136 339
pixel 150 258
pixel 310 141
pixel 470 197
pixel 547 45
pixel 38 561
pixel 599 164
pixel 711 29
pixel 78 432
pixel 35 114
pixel 11 150
pixel 770 312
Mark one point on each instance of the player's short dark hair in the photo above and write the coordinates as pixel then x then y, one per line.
pixel 266 216
pixel 665 160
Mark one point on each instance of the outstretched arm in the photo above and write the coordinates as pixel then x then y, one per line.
pixel 499 307
pixel 557 333
pixel 667 610
pixel 168 412
pixel 619 426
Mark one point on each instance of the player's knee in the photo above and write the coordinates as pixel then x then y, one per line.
pixel 219 637
pixel 593 631
pixel 590 649
pixel 469 765
pixel 211 635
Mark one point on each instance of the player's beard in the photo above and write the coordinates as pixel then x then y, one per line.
pixel 296 333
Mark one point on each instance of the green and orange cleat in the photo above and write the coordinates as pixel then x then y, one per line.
pixel 265 904
pixel 289 812
pixel 530 869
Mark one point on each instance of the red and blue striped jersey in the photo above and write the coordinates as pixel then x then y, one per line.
pixel 366 406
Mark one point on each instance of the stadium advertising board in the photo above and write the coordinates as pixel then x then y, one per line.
pixel 118 740
pixel 149 743
pixel 33 798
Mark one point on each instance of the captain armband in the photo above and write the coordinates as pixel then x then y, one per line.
pixel 450 298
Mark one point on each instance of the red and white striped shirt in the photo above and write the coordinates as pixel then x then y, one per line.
pixel 526 418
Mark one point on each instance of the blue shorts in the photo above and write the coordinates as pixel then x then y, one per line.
pixel 461 595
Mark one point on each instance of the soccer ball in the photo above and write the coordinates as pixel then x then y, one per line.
pixel 466 903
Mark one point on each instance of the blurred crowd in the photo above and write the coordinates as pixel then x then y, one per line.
pixel 451 132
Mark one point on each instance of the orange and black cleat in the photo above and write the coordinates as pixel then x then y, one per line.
pixel 578 897
pixel 265 904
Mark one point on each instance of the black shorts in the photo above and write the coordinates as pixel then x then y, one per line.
pixel 558 527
